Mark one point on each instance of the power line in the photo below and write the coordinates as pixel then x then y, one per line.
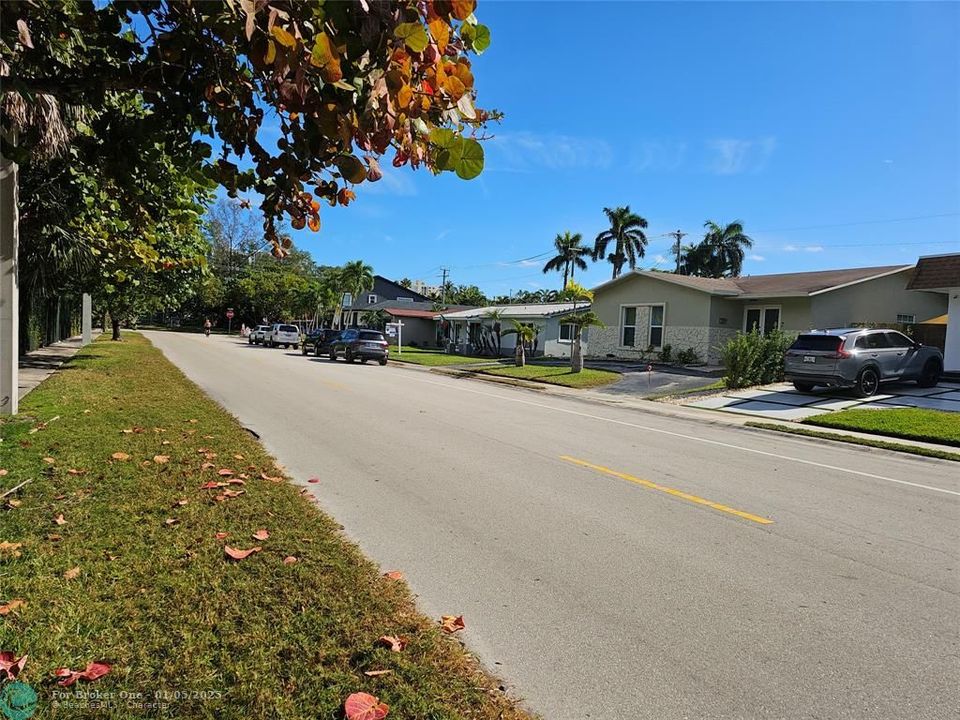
pixel 859 222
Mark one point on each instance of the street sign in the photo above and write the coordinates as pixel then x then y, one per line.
pixel 229 313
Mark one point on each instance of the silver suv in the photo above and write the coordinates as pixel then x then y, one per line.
pixel 861 359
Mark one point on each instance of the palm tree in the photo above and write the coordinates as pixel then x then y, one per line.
pixel 728 243
pixel 496 315
pixel 355 277
pixel 579 320
pixel 570 255
pixel 626 234
pixel 375 319
pixel 525 334
pixel 697 260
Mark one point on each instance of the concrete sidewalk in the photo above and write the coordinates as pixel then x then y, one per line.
pixel 38 365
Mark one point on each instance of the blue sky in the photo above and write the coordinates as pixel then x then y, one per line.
pixel 788 116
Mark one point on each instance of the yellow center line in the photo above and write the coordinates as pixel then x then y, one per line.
pixel 668 490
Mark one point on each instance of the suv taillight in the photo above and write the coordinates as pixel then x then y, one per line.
pixel 841 354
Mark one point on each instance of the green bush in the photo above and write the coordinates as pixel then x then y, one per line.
pixel 687 356
pixel 754 359
pixel 666 353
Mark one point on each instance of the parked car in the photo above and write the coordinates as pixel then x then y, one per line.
pixel 258 335
pixel 359 344
pixel 317 339
pixel 280 334
pixel 860 358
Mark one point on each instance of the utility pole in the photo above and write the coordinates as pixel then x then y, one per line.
pixel 443 286
pixel 677 235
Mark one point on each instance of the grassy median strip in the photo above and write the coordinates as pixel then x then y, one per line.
pixel 557 375
pixel 434 358
pixel 936 426
pixel 117 554
pixel 853 439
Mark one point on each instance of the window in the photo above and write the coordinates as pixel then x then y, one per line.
pixel 898 340
pixel 371 299
pixel 877 341
pixel 369 335
pixel 566 332
pixel 762 319
pixel 656 325
pixel 347 300
pixel 628 333
pixel 822 343
pixel 906 319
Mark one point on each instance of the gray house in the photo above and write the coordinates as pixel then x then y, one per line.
pixel 384 293
pixel 645 310
pixel 470 331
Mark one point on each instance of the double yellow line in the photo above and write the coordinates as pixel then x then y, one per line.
pixel 668 490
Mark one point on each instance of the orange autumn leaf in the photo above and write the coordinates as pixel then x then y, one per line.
pixel 71 573
pixel 394 575
pixel 396 644
pixel 120 456
pixel 261 534
pixel 363 706
pixel 9 607
pixel 314 223
pixel 235 554
pixel 93 671
pixel 452 623
pixel 440 32
pixel 221 535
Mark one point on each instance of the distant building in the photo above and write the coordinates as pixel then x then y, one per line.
pixel 419 286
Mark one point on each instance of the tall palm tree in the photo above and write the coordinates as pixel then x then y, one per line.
pixel 355 277
pixel 579 319
pixel 570 255
pixel 626 234
pixel 728 243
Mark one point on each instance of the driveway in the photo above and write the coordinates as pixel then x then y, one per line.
pixel 613 563
pixel 637 381
pixel 781 401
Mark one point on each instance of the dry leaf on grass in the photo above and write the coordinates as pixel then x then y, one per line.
pixel 72 573
pixel 363 706
pixel 236 481
pixel 396 644
pixel 12 503
pixel 74 471
pixel 120 456
pixel 11 665
pixel 10 549
pixel 221 535
pixel 394 575
pixel 93 671
pixel 233 493
pixel 3 472
pixel 161 459
pixel 9 607
pixel 289 560
pixel 207 466
pixel 49 460
pixel 235 554
pixel 237 456
pixel 59 519
pixel 264 476
pixel 165 442
pixel 54 538
pixel 171 521
pixel 376 673
pixel 224 472
pixel 182 502
pixel 261 534
pixel 452 623
pixel 211 484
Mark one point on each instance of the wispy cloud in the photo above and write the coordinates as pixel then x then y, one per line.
pixel 657 155
pixel 756 258
pixel 803 248
pixel 527 152
pixel 732 156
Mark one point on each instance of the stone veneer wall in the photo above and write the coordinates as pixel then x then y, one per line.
pixel 606 341
pixel 718 338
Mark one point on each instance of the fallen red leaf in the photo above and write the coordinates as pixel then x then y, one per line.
pixel 396 644
pixel 289 560
pixel 59 519
pixel 233 493
pixel 394 575
pixel 224 472
pixel 93 671
pixel 11 665
pixel 236 481
pixel 240 554
pixel 313 480
pixel 9 607
pixel 264 476
pixel 362 706
pixel 211 484
pixel 452 623
pixel 261 534
pixel 221 535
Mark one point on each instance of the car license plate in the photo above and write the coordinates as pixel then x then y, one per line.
pixel 809 358
pixel 375 346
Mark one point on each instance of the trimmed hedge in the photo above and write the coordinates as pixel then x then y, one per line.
pixel 754 359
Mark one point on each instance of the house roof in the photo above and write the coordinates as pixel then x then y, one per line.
pixel 936 272
pixel 517 311
pixel 779 285
pixel 411 313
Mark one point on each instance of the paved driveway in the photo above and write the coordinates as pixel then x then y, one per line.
pixel 782 402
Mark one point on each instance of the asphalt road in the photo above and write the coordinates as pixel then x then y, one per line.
pixel 820 582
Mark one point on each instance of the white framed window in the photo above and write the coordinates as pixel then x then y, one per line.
pixel 656 325
pixel 347 300
pixel 371 299
pixel 404 299
pixel 764 319
pixel 628 326
pixel 906 319
pixel 566 332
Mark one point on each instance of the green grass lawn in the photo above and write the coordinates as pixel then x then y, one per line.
pixel 116 558
pixel 913 423
pixel 433 358
pixel 557 375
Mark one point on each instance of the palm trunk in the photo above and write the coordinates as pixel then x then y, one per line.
pixel 519 355
pixel 115 324
pixel 576 356
pixel 566 271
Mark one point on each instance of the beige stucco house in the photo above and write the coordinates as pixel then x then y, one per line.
pixel 644 310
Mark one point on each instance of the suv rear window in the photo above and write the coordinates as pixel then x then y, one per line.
pixel 367 335
pixel 827 343
pixel 289 328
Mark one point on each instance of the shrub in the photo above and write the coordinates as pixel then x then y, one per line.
pixel 687 356
pixel 665 353
pixel 754 359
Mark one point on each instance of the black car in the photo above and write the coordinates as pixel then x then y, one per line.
pixel 317 340
pixel 358 344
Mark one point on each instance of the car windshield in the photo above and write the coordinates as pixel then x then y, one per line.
pixel 827 343
pixel 367 335
pixel 289 328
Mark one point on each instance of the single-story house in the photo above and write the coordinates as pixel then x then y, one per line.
pixel 941 274
pixel 645 310
pixel 419 324
pixel 382 290
pixel 471 332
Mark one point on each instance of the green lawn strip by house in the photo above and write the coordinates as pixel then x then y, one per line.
pixel 434 358
pixel 556 375
pixel 853 439
pixel 934 426
pixel 154 594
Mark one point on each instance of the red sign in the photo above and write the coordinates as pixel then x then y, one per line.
pixel 229 314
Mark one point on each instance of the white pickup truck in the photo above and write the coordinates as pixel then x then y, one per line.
pixel 258 335
pixel 280 334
